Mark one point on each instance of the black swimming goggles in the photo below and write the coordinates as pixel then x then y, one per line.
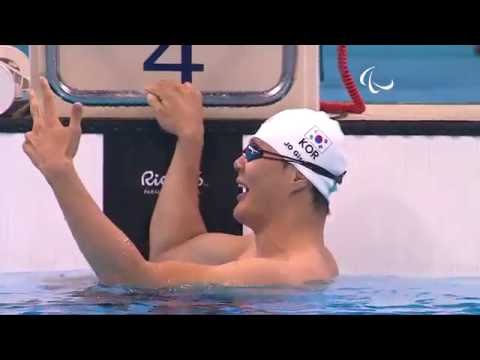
pixel 254 152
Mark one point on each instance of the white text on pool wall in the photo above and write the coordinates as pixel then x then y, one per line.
pixel 152 182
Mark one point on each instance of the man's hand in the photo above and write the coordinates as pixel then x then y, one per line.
pixel 50 145
pixel 178 108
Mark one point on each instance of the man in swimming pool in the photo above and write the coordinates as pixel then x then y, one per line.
pixel 288 172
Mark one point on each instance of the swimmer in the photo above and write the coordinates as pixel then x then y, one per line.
pixel 287 173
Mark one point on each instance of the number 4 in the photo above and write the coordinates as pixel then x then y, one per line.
pixel 185 67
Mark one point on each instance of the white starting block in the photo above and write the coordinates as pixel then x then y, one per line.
pixel 237 81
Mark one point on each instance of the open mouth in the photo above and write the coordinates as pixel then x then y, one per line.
pixel 243 191
pixel 243 188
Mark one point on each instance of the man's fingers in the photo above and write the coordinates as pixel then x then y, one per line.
pixel 35 112
pixel 30 138
pixel 164 89
pixel 50 110
pixel 27 148
pixel 188 88
pixel 76 117
pixel 155 103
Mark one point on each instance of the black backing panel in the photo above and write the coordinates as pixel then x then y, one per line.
pixel 129 203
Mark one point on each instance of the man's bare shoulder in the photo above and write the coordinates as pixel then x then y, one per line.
pixel 314 265
pixel 212 249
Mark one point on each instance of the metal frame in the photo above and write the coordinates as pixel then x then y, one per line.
pixel 137 98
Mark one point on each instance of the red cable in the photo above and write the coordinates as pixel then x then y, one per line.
pixel 355 107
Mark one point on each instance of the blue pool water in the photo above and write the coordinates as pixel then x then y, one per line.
pixel 79 293
pixel 432 74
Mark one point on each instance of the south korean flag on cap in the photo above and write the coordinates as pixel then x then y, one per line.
pixel 318 139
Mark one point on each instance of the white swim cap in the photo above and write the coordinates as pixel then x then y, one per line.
pixel 311 136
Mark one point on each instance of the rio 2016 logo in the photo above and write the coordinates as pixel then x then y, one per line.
pixel 150 179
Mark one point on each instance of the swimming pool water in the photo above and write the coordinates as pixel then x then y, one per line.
pixel 432 74
pixel 78 292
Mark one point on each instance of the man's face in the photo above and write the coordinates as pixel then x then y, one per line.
pixel 265 186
